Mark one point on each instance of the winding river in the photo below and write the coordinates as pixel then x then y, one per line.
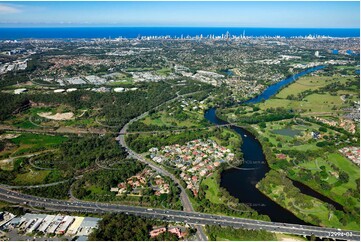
pixel 241 181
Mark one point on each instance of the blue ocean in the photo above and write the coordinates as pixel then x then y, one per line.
pixel 133 32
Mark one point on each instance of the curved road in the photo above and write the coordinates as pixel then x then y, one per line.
pixel 187 216
pixel 187 205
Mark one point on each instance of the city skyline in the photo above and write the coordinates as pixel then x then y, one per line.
pixel 181 14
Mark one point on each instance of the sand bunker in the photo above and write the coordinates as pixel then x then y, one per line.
pixel 57 116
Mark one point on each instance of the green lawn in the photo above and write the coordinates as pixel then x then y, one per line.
pixel 25 124
pixel 28 142
pixel 32 177
pixel 314 103
pixel 308 83
pixel 319 103
pixel 139 69
pixel 123 83
pixel 318 209
pixel 303 139
pixel 96 190
pixel 39 139
pixel 337 193
pixel 164 119
pixel 213 193
pixel 164 71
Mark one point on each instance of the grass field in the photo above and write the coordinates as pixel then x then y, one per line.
pixel 164 119
pixel 287 237
pixel 32 177
pixel 122 83
pixel 140 69
pixel 314 103
pixel 231 234
pixel 164 71
pixel 39 139
pixel 306 154
pixel 318 208
pixel 96 191
pixel 213 193
pixel 305 142
pixel 27 143
pixel 337 193
pixel 308 83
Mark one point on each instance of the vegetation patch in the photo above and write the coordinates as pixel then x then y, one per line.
pixel 218 233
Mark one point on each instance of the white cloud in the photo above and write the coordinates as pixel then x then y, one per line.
pixel 8 9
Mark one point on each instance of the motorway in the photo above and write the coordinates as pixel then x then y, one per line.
pixel 186 216
pixel 191 217
pixel 187 205
pixel 194 218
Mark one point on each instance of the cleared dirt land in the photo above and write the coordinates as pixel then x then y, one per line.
pixel 57 116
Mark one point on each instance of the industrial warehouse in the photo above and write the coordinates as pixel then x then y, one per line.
pixel 52 225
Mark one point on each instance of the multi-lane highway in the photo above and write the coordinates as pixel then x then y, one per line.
pixel 191 217
pixel 176 216
pixel 186 216
pixel 187 205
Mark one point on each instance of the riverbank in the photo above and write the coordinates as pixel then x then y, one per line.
pixel 292 149
pixel 242 180
pixel 324 215
pixel 279 188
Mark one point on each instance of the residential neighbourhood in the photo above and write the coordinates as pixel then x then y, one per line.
pixel 135 185
pixel 182 125
pixel 353 153
pixel 196 159
pixel 180 232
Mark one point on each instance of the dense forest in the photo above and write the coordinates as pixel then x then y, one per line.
pixel 106 178
pixel 10 104
pixel 271 114
pixel 72 158
pixel 79 153
pixel 115 109
pixel 143 142
pixel 60 191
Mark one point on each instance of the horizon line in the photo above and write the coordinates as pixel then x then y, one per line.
pixel 109 26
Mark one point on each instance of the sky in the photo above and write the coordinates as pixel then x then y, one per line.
pixel 182 14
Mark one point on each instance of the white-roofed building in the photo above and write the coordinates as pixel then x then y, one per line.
pixel 64 225
pixel 59 90
pixel 54 224
pixel 46 223
pixel 73 229
pixel 87 226
pixel 20 90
